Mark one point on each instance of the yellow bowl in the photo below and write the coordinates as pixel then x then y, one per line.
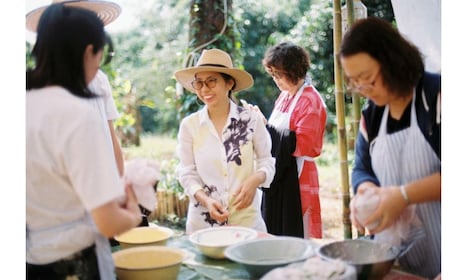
pixel 144 236
pixel 148 263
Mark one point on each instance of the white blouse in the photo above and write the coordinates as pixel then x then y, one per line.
pixel 219 166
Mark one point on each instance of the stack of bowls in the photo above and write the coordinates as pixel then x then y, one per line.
pixel 148 263
pixel 143 254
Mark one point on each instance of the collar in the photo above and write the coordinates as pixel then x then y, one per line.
pixel 234 113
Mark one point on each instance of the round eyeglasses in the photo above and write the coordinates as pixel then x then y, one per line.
pixel 355 87
pixel 198 84
pixel 275 74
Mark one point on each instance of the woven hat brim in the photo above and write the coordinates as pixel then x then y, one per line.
pixel 106 11
pixel 243 80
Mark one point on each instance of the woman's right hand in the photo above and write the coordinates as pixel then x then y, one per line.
pixel 116 216
pixel 131 203
pixel 353 210
pixel 217 211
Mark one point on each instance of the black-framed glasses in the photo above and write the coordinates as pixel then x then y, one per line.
pixel 198 84
pixel 355 87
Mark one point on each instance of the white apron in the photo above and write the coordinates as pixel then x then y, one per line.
pixel 398 159
pixel 102 245
pixel 281 120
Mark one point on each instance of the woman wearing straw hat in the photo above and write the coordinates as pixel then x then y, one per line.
pixel 75 198
pixel 224 149
pixel 107 11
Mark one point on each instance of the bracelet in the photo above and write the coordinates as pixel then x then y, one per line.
pixel 404 194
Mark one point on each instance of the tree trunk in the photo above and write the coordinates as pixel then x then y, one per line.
pixel 209 26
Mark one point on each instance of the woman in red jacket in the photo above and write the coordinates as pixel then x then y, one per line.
pixel 300 113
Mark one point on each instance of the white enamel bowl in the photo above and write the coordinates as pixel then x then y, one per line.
pixel 213 241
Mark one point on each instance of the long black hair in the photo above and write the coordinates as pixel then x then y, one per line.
pixel 401 62
pixel 63 34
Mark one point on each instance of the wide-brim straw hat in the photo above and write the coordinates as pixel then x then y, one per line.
pixel 105 10
pixel 214 60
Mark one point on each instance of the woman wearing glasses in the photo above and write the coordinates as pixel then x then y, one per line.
pixel 297 123
pixel 398 147
pixel 224 149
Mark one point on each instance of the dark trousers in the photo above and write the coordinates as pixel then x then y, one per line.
pixel 82 265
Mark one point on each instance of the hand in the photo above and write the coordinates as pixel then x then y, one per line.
pixel 353 217
pixel 254 108
pixel 217 211
pixel 247 190
pixel 390 208
pixel 131 203
pixel 365 187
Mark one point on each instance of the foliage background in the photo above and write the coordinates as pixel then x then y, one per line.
pixel 146 57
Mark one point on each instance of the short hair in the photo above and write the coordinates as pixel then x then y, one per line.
pixel 293 60
pixel 401 62
pixel 63 34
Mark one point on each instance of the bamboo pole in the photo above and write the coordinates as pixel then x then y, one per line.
pixel 355 97
pixel 340 115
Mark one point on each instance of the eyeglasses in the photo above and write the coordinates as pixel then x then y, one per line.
pixel 355 87
pixel 275 73
pixel 198 84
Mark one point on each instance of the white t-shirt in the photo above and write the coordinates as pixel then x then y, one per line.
pixel 70 170
pixel 100 85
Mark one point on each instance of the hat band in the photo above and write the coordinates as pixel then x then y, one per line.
pixel 213 65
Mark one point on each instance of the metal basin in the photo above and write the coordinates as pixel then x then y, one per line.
pixel 372 260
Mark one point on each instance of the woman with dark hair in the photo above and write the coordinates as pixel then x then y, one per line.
pixel 224 149
pixel 291 206
pixel 73 188
pixel 398 151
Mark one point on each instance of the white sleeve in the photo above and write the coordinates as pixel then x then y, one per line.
pixel 88 157
pixel 100 85
pixel 186 170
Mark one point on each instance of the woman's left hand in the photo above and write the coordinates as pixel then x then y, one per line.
pixel 390 208
pixel 247 190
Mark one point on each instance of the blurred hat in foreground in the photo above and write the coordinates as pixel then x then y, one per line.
pixel 107 11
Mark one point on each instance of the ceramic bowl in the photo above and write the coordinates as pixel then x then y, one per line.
pixel 259 256
pixel 371 259
pixel 213 241
pixel 144 236
pixel 148 263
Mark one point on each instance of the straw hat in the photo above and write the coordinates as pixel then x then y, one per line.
pixel 105 10
pixel 214 60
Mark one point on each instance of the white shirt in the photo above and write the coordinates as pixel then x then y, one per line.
pixel 70 170
pixel 100 85
pixel 223 164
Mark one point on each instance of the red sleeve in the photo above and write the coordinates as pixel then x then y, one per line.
pixel 308 120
